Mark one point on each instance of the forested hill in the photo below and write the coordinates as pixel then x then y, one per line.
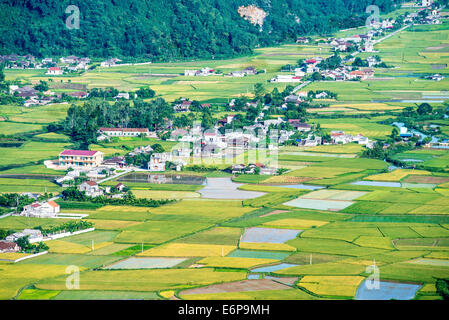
pixel 168 29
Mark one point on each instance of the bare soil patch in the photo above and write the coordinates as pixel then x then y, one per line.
pixel 273 213
pixel 426 179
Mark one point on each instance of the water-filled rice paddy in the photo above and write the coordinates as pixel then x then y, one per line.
pixel 387 291
pixel 274 268
pixel 331 205
pixel 224 188
pixel 269 235
pixel 378 184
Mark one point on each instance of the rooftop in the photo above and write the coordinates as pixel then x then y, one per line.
pixel 78 153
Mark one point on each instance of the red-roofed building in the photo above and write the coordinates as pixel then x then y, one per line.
pixel 357 74
pixel 8 246
pixel 54 71
pixel 48 209
pixel 80 158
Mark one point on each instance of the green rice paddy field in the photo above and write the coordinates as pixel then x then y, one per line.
pixel 404 230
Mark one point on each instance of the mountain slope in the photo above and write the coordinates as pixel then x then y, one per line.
pixel 168 29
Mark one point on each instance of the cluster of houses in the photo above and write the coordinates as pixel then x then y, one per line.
pixel 35 98
pixel 339 137
pixel 248 71
pixel 14 61
pixel 93 189
pixel 341 73
pixel 184 105
pixel 427 14
pixel 253 168
pixel 9 245
pixel 203 72
pixel 206 71
pixel 90 172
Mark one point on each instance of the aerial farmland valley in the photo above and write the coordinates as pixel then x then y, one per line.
pixel 237 156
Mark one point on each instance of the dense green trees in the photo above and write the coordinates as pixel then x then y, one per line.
pixel 82 122
pixel 168 29
pixel 70 226
pixel 28 247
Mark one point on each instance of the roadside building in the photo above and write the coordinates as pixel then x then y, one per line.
pixel 80 158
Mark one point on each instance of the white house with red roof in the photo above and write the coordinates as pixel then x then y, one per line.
pixel 54 71
pixel 80 158
pixel 49 209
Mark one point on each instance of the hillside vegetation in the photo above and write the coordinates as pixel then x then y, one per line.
pixel 168 29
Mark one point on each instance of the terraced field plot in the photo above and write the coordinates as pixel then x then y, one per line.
pixel 332 200
pixel 145 263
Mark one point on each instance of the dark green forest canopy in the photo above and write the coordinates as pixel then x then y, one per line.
pixel 168 29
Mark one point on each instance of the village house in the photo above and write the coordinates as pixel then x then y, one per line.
pixel 339 137
pixel 80 158
pixel 321 95
pixel 48 209
pixel 199 73
pixel 68 178
pixel 24 92
pixel 91 188
pixel 361 74
pixel 238 168
pixel 115 162
pixel 158 161
pixel 250 71
pixel 34 235
pixel 237 74
pixel 110 63
pixel 311 141
pixel 184 106
pixel 47 60
pixel 299 72
pixel 181 150
pixel 54 71
pixel 228 119
pixel 293 99
pixel 120 187
pixel 303 40
pixel 78 94
pixel 8 246
pixel 140 150
pixel 70 59
pixel 122 95
pixel 300 126
pixel 124 132
pixel 286 78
